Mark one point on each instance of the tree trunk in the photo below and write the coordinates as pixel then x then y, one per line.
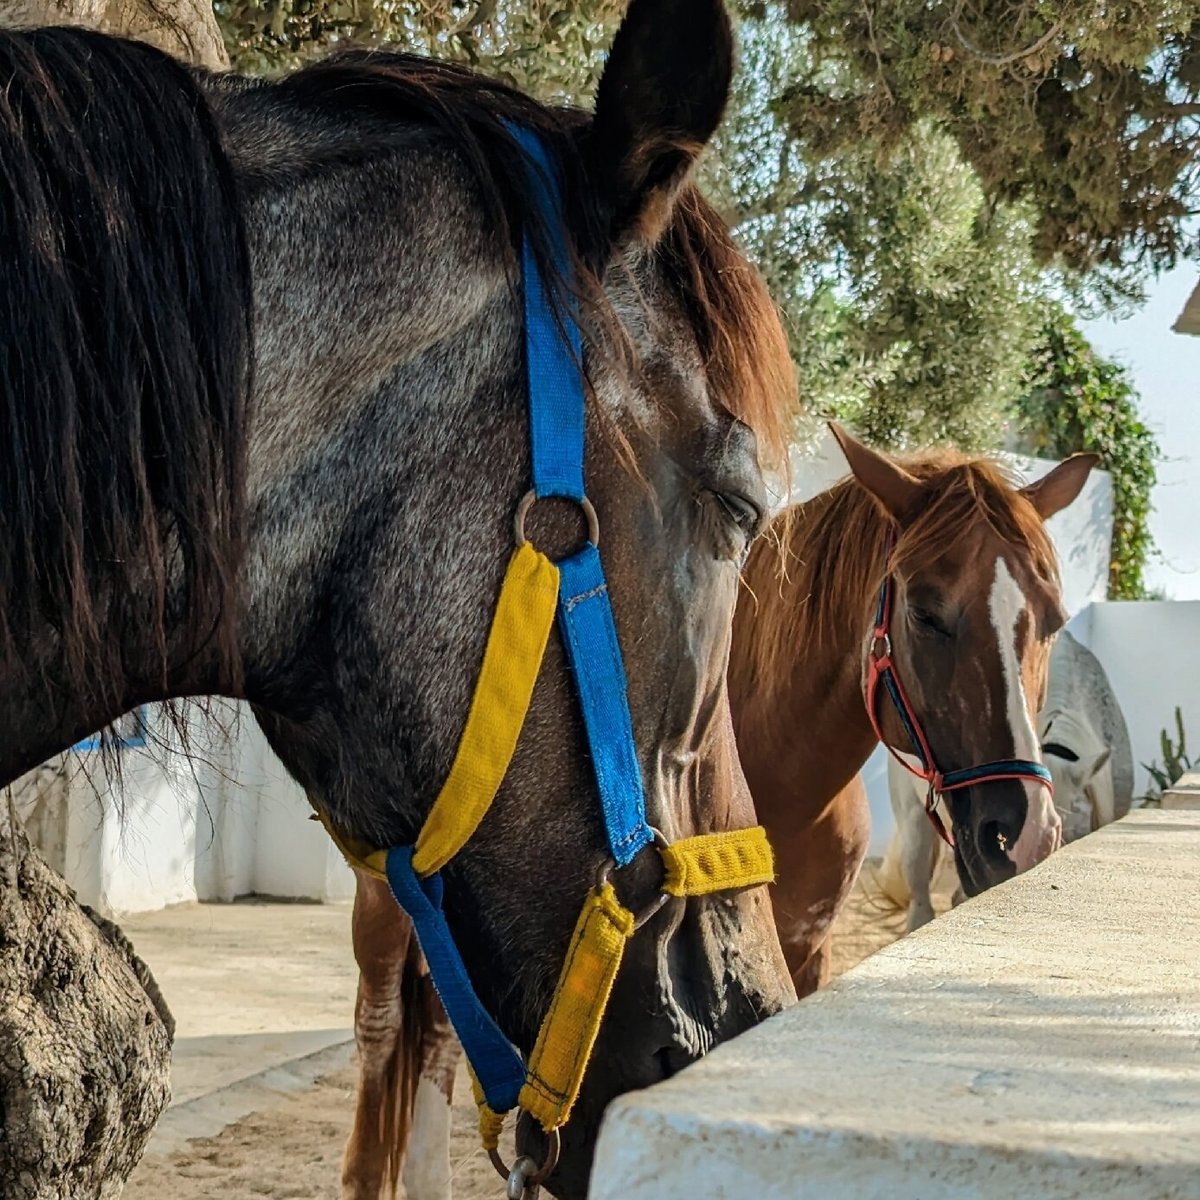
pixel 85 1036
pixel 185 28
pixel 85 1040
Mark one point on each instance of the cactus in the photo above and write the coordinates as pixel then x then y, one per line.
pixel 1175 762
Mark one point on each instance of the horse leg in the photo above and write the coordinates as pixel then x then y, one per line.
pixel 818 872
pixel 387 1059
pixel 918 857
pixel 427 1169
pixel 815 972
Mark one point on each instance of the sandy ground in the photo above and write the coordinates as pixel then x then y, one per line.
pixel 290 1149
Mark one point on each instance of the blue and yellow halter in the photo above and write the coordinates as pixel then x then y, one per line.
pixel 534 590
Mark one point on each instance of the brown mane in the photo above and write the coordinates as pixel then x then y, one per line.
pixel 833 554
pixel 737 325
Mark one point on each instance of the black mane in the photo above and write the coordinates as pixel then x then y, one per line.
pixel 124 352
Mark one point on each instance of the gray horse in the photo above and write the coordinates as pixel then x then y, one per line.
pixel 1085 741
pixel 263 429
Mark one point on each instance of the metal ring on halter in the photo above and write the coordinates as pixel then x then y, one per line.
pixel 531 1175
pixel 530 499
pixel 885 640
pixel 610 865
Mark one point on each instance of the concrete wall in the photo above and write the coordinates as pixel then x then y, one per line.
pixel 1038 1041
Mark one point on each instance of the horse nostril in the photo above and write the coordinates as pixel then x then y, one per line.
pixel 995 837
pixel 671 1060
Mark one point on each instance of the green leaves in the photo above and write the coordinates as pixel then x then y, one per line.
pixel 898 189
pixel 552 49
pixel 1175 762
pixel 1088 112
pixel 1075 400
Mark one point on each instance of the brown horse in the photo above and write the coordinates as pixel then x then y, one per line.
pixel 975 610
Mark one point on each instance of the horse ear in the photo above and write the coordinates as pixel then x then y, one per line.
pixel 659 101
pixel 1054 491
pixel 898 491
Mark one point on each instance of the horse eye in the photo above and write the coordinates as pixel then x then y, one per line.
pixel 928 621
pixel 745 515
pixel 1060 751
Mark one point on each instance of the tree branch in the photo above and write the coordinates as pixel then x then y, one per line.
pixel 999 60
pixel 866 8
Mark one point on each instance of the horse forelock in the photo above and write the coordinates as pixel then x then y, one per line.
pixel 125 348
pixel 965 490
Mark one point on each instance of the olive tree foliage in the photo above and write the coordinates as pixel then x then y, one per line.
pixel 1074 400
pixel 911 299
pixel 911 294
pixel 1089 111
pixel 551 49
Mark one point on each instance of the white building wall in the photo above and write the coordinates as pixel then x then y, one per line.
pixel 131 838
pixel 1151 652
pixel 221 821
pixel 293 855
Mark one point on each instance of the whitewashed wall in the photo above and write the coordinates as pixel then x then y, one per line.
pixel 225 821
pixel 1151 652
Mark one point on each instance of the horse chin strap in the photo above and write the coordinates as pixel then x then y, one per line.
pixel 534 592
pixel 882 673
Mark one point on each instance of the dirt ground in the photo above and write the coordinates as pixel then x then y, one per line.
pixel 292 1151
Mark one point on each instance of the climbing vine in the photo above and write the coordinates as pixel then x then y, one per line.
pixel 1077 400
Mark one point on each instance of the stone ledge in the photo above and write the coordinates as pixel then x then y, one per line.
pixel 1184 792
pixel 1042 1040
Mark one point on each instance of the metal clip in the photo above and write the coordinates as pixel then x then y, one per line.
pixel 519 1186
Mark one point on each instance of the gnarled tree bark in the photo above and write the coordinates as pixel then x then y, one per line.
pixel 185 28
pixel 85 1040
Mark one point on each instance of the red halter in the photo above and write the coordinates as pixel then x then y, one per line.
pixel 882 670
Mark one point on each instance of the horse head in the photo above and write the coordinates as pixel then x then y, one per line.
pixel 422 458
pixel 971 581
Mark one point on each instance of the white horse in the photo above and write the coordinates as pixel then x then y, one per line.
pixel 1085 744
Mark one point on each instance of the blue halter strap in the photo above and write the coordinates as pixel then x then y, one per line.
pixel 554 359
pixel 554 354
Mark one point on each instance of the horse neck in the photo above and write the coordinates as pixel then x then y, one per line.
pixel 805 736
pixel 432 324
